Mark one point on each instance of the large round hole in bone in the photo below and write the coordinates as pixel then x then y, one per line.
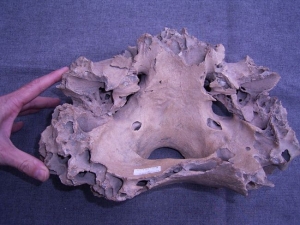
pixel 164 153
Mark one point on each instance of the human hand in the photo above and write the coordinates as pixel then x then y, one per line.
pixel 21 102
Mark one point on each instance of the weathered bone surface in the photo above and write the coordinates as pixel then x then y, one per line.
pixel 170 91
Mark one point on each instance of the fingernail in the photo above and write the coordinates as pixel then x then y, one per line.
pixel 40 175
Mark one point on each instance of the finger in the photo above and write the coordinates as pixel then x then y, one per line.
pixel 17 126
pixel 40 103
pixel 29 111
pixel 31 90
pixel 27 164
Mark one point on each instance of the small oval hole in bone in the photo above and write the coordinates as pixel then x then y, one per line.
pixel 251 185
pixel 220 109
pixel 142 183
pixel 206 85
pixel 142 78
pixel 136 125
pixel 213 124
pixel 286 155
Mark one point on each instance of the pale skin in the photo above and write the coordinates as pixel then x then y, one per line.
pixel 23 101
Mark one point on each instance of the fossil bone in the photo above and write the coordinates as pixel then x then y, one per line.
pixel 170 91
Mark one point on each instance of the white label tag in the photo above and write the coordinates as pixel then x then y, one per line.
pixel 146 170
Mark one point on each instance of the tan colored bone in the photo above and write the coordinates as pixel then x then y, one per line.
pixel 165 93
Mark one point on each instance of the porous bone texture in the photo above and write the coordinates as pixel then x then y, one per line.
pixel 171 90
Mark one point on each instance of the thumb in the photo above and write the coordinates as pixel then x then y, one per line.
pixel 27 164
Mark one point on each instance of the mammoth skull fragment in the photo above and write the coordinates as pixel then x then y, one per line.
pixel 171 90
